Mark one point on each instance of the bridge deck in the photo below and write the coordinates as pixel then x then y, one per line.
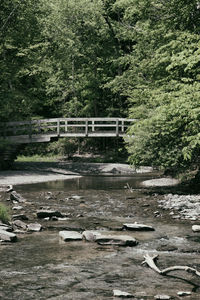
pixel 37 131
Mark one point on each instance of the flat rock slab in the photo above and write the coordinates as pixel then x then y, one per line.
pixel 7 236
pixel 70 236
pixel 120 294
pixel 14 196
pixel 47 213
pixel 118 240
pixel 136 226
pixel 34 227
pixel 196 228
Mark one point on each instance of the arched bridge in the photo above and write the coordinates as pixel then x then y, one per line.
pixel 37 131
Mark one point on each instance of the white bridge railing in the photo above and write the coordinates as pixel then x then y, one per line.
pixel 46 129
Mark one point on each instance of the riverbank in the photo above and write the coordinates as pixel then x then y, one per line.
pixel 36 172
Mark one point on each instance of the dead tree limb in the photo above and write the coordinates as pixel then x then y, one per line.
pixel 150 261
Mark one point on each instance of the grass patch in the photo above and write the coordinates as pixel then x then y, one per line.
pixel 37 158
pixel 4 213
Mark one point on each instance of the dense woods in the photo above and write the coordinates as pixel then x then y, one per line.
pixel 125 58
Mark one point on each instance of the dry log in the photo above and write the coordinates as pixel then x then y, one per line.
pixel 150 261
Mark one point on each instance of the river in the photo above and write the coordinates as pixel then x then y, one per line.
pixel 40 266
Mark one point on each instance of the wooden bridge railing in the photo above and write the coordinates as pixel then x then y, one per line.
pixel 44 130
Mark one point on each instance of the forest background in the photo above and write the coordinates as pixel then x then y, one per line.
pixel 108 58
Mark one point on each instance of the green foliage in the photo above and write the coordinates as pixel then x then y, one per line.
pixel 4 213
pixel 63 147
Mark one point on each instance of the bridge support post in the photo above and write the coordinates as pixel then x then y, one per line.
pixel 86 127
pixel 117 127
pixel 58 127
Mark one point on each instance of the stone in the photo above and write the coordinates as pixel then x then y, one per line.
pixel 14 196
pixel 5 227
pixel 118 293
pixel 20 217
pixel 196 228
pixel 90 235
pixel 118 240
pixel 48 213
pixel 70 236
pixel 183 293
pixel 9 188
pixel 6 236
pixel 17 207
pixel 136 226
pixel 19 224
pixel 169 248
pixel 162 297
pixel 36 227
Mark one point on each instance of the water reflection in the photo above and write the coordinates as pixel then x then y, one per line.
pixel 90 182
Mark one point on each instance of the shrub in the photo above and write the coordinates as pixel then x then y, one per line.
pixel 4 213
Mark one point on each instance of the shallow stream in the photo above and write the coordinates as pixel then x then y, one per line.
pixel 40 266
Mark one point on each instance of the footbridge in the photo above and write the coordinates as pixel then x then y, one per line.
pixel 38 131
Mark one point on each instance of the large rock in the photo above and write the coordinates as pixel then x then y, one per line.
pixel 70 236
pixel 47 213
pixel 119 240
pixel 19 224
pixel 14 196
pixel 35 227
pixel 136 226
pixel 7 236
pixel 196 228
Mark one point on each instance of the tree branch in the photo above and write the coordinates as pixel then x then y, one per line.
pixel 150 261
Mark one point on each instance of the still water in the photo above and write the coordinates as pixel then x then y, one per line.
pixel 40 266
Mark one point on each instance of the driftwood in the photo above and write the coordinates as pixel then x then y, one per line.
pixel 150 261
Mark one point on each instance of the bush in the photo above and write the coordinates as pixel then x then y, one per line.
pixel 4 213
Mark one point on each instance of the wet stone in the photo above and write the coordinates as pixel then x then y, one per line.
pixel 121 294
pixel 70 236
pixel 6 236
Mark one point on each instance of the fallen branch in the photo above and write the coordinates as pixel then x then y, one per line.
pixel 150 261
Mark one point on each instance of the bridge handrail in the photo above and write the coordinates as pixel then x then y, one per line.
pixel 57 127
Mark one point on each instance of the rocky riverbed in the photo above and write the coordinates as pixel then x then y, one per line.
pixel 86 237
